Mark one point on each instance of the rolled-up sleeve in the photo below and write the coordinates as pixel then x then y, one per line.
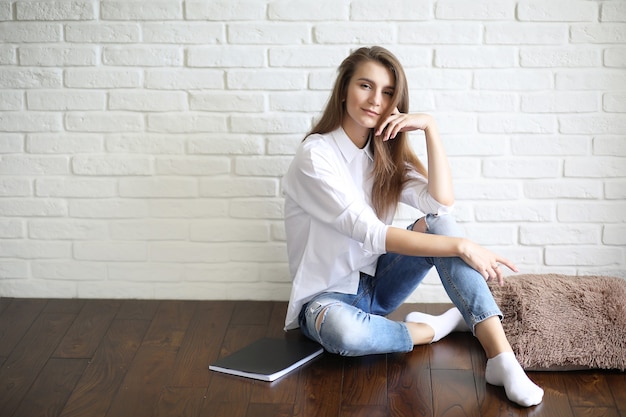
pixel 415 194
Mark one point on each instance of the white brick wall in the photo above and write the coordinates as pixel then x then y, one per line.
pixel 142 142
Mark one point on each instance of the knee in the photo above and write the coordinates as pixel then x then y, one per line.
pixel 341 332
pixel 444 225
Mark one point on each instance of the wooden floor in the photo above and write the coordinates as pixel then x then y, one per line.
pixel 149 358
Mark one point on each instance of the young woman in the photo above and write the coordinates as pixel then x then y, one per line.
pixel 350 267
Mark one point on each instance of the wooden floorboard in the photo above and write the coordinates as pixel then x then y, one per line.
pixel 111 358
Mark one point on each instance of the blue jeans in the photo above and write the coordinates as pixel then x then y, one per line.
pixel 355 324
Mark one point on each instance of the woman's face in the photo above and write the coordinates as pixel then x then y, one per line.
pixel 369 95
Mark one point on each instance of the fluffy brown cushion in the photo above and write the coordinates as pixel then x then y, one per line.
pixel 559 322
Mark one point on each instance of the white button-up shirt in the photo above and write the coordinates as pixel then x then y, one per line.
pixel 332 230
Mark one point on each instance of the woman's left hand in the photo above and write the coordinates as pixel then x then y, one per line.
pixel 403 122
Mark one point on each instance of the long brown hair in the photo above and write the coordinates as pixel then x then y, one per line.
pixel 394 158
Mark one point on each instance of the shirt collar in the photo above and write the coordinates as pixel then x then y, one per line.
pixel 348 149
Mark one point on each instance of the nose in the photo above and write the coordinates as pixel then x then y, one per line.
pixel 375 98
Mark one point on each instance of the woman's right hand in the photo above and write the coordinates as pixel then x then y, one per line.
pixel 484 261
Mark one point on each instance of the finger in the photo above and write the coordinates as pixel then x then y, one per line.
pixel 508 264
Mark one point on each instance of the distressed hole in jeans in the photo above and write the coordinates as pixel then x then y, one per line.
pixel 320 318
pixel 420 225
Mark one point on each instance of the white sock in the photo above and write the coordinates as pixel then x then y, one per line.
pixel 443 325
pixel 504 370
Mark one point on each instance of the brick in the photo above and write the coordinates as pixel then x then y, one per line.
pixel 63 143
pixel 483 190
pixel 32 249
pixel 475 145
pixel 5 11
pixel 227 101
pixel 15 187
pixel 539 235
pixel 147 101
pixel 522 123
pixel 189 252
pixel 520 212
pixel 228 231
pixel 236 273
pixel 18 32
pixel 140 10
pixel 192 165
pixel 522 168
pixel 145 143
pixel 52 229
pixel 271 209
pixel 187 122
pixel 614 235
pixel 582 124
pixel 441 32
pixel 30 122
pixel 525 34
pixel 130 272
pixel 489 235
pixel 550 145
pixel 584 256
pixel 230 144
pixel 225 10
pixel 307 56
pixel 476 10
pixel 57 56
pixel 102 32
pixel 560 102
pixel 238 187
pixel 145 230
pixel 14 269
pixel 63 270
pixel 615 57
pixel 591 80
pixel 13 78
pixel 65 100
pixel 598 33
pixel 111 165
pixel 566 188
pixel 262 165
pixel 260 253
pixel 592 212
pixel 476 101
pixel 75 188
pixel 615 190
pixel 121 290
pixel 104 122
pixel 372 10
pixel 473 57
pixel 55 10
pixel 557 11
pixel 11 143
pixel 143 56
pixel 184 79
pixel 25 207
pixel 20 164
pixel 266 79
pixel 184 33
pixel 157 187
pixel 110 251
pixel 551 57
pixel 108 209
pixel 268 33
pixel 596 167
pixel 297 101
pixel 354 33
pixel 514 80
pixel 613 11
pixel 438 79
pixel 102 78
pixel 225 56
pixel 614 102
pixel 188 208
pixel 308 11
pixel 270 124
pixel 609 145
pixel 11 100
pixel 11 229
pixel 8 55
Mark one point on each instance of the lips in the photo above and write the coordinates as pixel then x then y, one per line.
pixel 371 112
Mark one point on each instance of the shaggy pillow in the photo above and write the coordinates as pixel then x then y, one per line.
pixel 559 322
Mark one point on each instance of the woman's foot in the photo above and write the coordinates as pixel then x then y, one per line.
pixel 443 325
pixel 504 370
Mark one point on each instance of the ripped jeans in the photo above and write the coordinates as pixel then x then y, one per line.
pixel 355 324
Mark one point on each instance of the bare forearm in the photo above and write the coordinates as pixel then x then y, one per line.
pixel 439 174
pixel 406 242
